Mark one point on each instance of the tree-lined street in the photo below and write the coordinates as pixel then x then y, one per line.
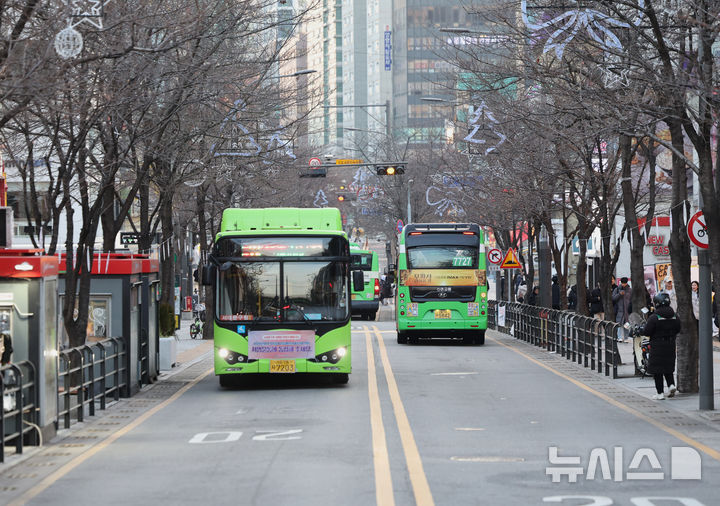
pixel 435 423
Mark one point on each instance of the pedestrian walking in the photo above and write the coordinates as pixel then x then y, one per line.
pixel 555 293
pixel 622 297
pixel 572 298
pixel 521 291
pixel 662 328
pixel 534 297
pixel 595 303
pixel 670 290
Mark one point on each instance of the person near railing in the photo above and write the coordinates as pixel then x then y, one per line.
pixel 622 298
pixel 555 293
pixel 521 291
pixel 534 296
pixel 662 328
pixel 595 305
pixel 6 348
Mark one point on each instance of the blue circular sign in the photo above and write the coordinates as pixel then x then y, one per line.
pixel 400 225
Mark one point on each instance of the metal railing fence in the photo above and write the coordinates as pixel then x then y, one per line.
pixel 585 340
pixel 18 415
pixel 89 375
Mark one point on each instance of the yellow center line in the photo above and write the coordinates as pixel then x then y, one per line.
pixel 686 439
pixel 381 461
pixel 421 489
pixel 49 480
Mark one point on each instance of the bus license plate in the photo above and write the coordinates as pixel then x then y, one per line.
pixel 282 366
pixel 443 314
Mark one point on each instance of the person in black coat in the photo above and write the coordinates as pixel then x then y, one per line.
pixel 534 298
pixel 662 328
pixel 555 293
pixel 595 305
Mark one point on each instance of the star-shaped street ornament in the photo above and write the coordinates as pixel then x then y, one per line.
pixel 87 11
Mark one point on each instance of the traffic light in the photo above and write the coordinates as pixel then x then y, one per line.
pixel 343 196
pixel 389 170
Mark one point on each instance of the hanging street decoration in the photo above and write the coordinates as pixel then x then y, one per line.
pixel 320 199
pixel 69 41
pixel 443 202
pixel 560 31
pixel 489 123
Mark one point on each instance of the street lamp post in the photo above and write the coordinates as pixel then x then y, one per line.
pixel 409 208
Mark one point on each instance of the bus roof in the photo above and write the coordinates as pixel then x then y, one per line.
pixel 428 229
pixel 288 219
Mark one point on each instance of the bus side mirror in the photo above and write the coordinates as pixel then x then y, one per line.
pixel 358 280
pixel 208 275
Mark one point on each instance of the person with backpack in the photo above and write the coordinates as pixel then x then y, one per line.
pixel 662 328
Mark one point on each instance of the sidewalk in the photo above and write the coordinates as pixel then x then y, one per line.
pixel 683 402
pixel 188 350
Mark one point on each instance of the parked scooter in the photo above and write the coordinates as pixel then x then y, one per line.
pixel 641 343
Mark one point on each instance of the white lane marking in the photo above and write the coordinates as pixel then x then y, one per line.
pixel 271 435
pixel 453 373
pixel 469 428
pixel 228 436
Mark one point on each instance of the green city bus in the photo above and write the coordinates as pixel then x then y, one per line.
pixel 442 285
pixel 281 279
pixel 366 301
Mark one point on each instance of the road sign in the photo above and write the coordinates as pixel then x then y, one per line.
pixel 315 162
pixel 127 238
pixel 697 231
pixel 494 256
pixel 400 225
pixel 510 261
pixel 347 162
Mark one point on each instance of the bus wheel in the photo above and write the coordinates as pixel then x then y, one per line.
pixel 480 337
pixel 228 380
pixel 401 338
pixel 341 378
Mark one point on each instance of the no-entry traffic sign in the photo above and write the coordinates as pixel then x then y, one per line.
pixel 494 256
pixel 697 231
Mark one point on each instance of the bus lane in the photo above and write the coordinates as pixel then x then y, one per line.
pixel 489 419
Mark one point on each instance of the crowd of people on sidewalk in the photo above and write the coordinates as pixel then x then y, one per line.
pixel 621 296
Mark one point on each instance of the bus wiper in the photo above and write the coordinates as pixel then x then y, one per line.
pixel 295 307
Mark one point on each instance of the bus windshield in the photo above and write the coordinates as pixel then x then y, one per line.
pixel 282 291
pixel 361 261
pixel 442 257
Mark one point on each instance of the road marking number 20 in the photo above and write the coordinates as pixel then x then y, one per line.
pixel 230 436
pixel 598 500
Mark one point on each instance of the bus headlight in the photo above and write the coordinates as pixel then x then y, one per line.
pixel 331 356
pixel 223 352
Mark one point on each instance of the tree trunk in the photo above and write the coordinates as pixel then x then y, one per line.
pixel 687 342
pixel 167 251
pixel 637 242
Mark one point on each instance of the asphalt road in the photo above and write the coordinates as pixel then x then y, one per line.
pixel 433 423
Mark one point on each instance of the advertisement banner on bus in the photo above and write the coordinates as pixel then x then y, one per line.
pixel 442 277
pixel 281 344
